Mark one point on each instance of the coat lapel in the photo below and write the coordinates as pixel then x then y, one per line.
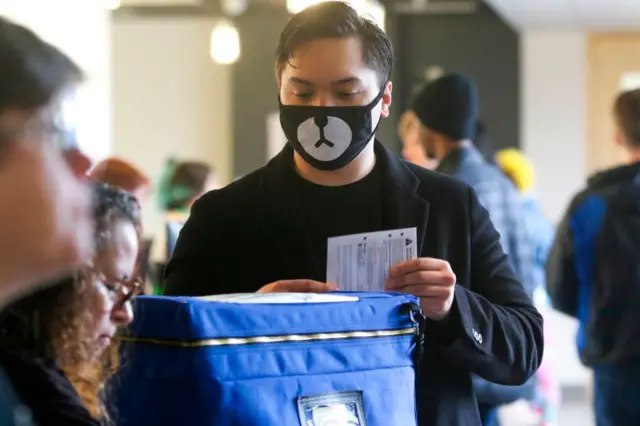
pixel 403 207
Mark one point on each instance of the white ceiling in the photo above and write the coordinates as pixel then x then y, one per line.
pixel 587 14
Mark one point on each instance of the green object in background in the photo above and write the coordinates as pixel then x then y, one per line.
pixel 169 194
pixel 157 290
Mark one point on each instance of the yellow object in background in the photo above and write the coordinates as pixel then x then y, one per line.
pixel 518 167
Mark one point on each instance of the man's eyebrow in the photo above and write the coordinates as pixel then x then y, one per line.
pixel 300 81
pixel 347 80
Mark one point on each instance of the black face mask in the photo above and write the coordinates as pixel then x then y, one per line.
pixel 328 138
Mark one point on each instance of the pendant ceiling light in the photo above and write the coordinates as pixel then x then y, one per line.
pixel 225 42
pixel 112 4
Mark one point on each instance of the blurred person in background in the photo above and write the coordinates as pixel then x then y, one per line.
pixel 412 148
pixel 517 167
pixel 593 273
pixel 53 342
pixel 483 142
pixel 122 174
pixel 447 111
pixel 45 214
pixel 181 184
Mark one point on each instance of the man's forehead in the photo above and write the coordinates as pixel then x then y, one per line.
pixel 343 49
pixel 329 61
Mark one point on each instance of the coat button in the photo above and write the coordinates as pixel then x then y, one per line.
pixel 476 335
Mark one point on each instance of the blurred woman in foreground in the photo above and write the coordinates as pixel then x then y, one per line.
pixel 53 343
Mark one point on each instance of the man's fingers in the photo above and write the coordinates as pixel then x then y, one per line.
pixel 425 291
pixel 434 278
pixel 420 264
pixel 297 286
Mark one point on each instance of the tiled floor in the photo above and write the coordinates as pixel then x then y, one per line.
pixel 576 415
pixel 572 414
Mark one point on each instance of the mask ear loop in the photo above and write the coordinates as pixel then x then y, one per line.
pixel 378 98
pixel 373 104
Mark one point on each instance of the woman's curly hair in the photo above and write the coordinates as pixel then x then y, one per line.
pixel 56 324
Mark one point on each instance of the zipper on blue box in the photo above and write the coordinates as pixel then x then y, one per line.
pixel 410 309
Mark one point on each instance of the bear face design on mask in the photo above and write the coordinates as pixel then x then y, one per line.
pixel 324 138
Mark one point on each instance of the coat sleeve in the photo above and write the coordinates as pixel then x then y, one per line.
pixel 494 395
pixel 562 279
pixel 190 272
pixel 500 337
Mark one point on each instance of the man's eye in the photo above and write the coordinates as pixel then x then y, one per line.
pixel 302 95
pixel 347 94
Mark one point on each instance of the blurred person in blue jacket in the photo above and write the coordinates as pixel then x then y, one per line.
pixel 593 273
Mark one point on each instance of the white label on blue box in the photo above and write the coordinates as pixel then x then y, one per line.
pixel 279 298
pixel 361 262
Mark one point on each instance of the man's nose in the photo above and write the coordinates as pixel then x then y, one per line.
pixel 322 100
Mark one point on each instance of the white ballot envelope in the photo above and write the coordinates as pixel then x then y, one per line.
pixel 361 262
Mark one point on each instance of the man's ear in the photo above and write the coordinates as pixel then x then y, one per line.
pixel 618 137
pixel 386 100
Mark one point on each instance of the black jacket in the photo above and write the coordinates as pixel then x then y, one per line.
pixel 592 269
pixel 247 234
pixel 43 387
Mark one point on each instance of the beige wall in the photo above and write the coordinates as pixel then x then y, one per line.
pixel 169 98
pixel 554 82
pixel 554 95
pixel 614 59
pixel 81 29
pixel 569 80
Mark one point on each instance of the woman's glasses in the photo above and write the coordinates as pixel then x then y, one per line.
pixel 121 290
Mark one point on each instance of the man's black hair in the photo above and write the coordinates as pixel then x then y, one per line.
pixel 627 113
pixel 32 71
pixel 336 19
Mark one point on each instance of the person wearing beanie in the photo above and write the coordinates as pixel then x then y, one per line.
pixel 447 110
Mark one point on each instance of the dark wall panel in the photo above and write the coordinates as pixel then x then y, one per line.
pixel 254 93
pixel 480 45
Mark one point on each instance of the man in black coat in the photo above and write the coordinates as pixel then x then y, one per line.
pixel 269 229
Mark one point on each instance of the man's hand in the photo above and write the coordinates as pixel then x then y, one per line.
pixel 297 286
pixel 432 280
